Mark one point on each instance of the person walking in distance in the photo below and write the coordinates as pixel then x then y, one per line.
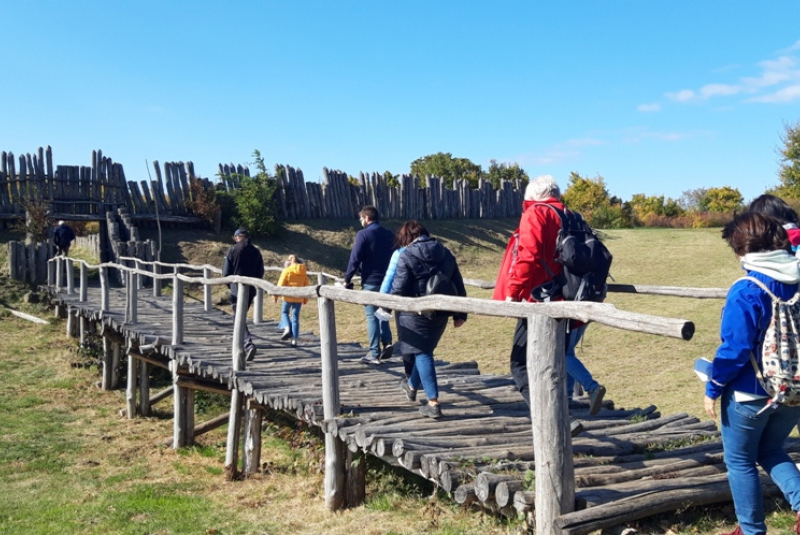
pixel 293 275
pixel 531 273
pixel 244 259
pixel 63 237
pixel 370 257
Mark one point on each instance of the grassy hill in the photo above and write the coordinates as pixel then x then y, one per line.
pixel 70 464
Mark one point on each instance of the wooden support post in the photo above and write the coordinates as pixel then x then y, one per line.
pixel 70 274
pixel 177 310
pixel 104 289
pixel 258 307
pixel 84 282
pixel 552 442
pixel 130 391
pixel 108 363
pixel 71 321
pixel 251 461
pixel 237 398
pixel 144 388
pixel 355 479
pixel 181 430
pixel 334 448
pixel 207 304
pixel 59 273
pixel 132 315
pixel 84 330
pixel 156 280
pixel 116 354
pixel 51 273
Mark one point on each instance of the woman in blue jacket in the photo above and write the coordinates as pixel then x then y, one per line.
pixel 753 429
pixel 419 335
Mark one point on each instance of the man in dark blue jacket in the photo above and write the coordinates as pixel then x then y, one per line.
pixel 63 237
pixel 370 258
pixel 244 259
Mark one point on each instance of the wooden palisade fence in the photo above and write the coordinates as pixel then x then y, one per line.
pixel 552 456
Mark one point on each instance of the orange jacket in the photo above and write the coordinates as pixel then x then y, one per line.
pixel 294 275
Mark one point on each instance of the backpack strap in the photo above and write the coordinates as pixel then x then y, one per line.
pixel 795 298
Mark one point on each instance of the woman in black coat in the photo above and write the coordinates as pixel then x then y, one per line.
pixel 419 334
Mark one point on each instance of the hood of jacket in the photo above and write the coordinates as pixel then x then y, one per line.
pixel 297 269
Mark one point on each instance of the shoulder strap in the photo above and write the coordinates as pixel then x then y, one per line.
pixel 774 297
pixel 556 210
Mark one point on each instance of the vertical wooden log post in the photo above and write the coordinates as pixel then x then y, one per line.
pixel 133 297
pixel 116 353
pixel 104 289
pixel 207 305
pixel 258 307
pixel 552 442
pixel 84 282
pixel 130 391
pixel 108 363
pixel 70 274
pixel 144 388
pixel 177 310
pixel 251 458
pixel 156 280
pixel 59 273
pixel 84 329
pixel 51 272
pixel 335 457
pixel 237 398
pixel 72 321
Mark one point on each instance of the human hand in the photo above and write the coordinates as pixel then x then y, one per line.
pixel 458 322
pixel 710 406
pixel 510 299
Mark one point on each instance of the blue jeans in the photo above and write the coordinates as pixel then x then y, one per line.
pixel 284 322
pixel 377 331
pixel 576 371
pixel 424 372
pixel 748 439
pixel 293 309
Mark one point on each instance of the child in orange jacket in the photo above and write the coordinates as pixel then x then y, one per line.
pixel 294 274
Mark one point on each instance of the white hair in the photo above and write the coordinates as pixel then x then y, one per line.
pixel 60 222
pixel 542 187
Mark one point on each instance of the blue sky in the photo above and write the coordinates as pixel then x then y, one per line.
pixel 658 97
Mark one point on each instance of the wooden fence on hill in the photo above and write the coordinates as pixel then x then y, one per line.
pixel 87 192
pixel 321 384
pixel 337 198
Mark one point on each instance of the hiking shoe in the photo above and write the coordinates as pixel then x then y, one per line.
pixel 737 531
pixel 386 354
pixel 287 333
pixel 294 342
pixel 575 428
pixel 370 359
pixel 596 399
pixel 411 395
pixel 249 354
pixel 431 411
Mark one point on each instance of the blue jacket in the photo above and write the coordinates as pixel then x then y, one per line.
pixel 370 255
pixel 419 334
pixel 386 285
pixel 745 317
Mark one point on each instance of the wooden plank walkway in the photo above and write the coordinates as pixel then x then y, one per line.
pixel 629 464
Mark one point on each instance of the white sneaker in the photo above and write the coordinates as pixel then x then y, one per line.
pixel 294 342
pixel 286 334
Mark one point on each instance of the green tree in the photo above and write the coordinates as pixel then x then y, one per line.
pixel 694 200
pixel 502 171
pixel 655 205
pixel 789 173
pixel 585 195
pixel 723 200
pixel 443 165
pixel 252 205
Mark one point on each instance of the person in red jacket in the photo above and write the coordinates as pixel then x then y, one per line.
pixel 530 272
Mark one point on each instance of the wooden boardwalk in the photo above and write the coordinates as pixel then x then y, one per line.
pixel 629 464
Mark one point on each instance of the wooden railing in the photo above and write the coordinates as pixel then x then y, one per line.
pixel 555 490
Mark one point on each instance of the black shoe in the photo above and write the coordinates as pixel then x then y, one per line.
pixel 386 354
pixel 286 334
pixel 411 395
pixel 250 353
pixel 575 428
pixel 431 411
pixel 596 399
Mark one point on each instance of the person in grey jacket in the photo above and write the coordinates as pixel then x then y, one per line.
pixel 419 334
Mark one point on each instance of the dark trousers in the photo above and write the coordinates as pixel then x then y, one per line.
pixel 519 359
pixel 248 339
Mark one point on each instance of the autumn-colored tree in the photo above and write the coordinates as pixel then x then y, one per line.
pixel 585 195
pixel 655 205
pixel 723 200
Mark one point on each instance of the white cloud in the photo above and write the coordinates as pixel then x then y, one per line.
pixel 787 94
pixel 684 95
pixel 649 107
pixel 783 70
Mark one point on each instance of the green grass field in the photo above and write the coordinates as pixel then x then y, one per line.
pixel 70 464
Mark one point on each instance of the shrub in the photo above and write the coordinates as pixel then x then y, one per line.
pixel 203 202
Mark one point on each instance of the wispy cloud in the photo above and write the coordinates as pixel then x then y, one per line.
pixel 639 135
pixel 775 82
pixel 649 108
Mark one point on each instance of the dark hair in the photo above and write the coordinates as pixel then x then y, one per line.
pixel 370 212
pixel 754 232
pixel 775 207
pixel 409 231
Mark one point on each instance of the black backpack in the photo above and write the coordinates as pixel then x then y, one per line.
pixel 585 259
pixel 437 284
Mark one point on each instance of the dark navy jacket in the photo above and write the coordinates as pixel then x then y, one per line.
pixel 63 236
pixel 370 255
pixel 245 260
pixel 417 333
